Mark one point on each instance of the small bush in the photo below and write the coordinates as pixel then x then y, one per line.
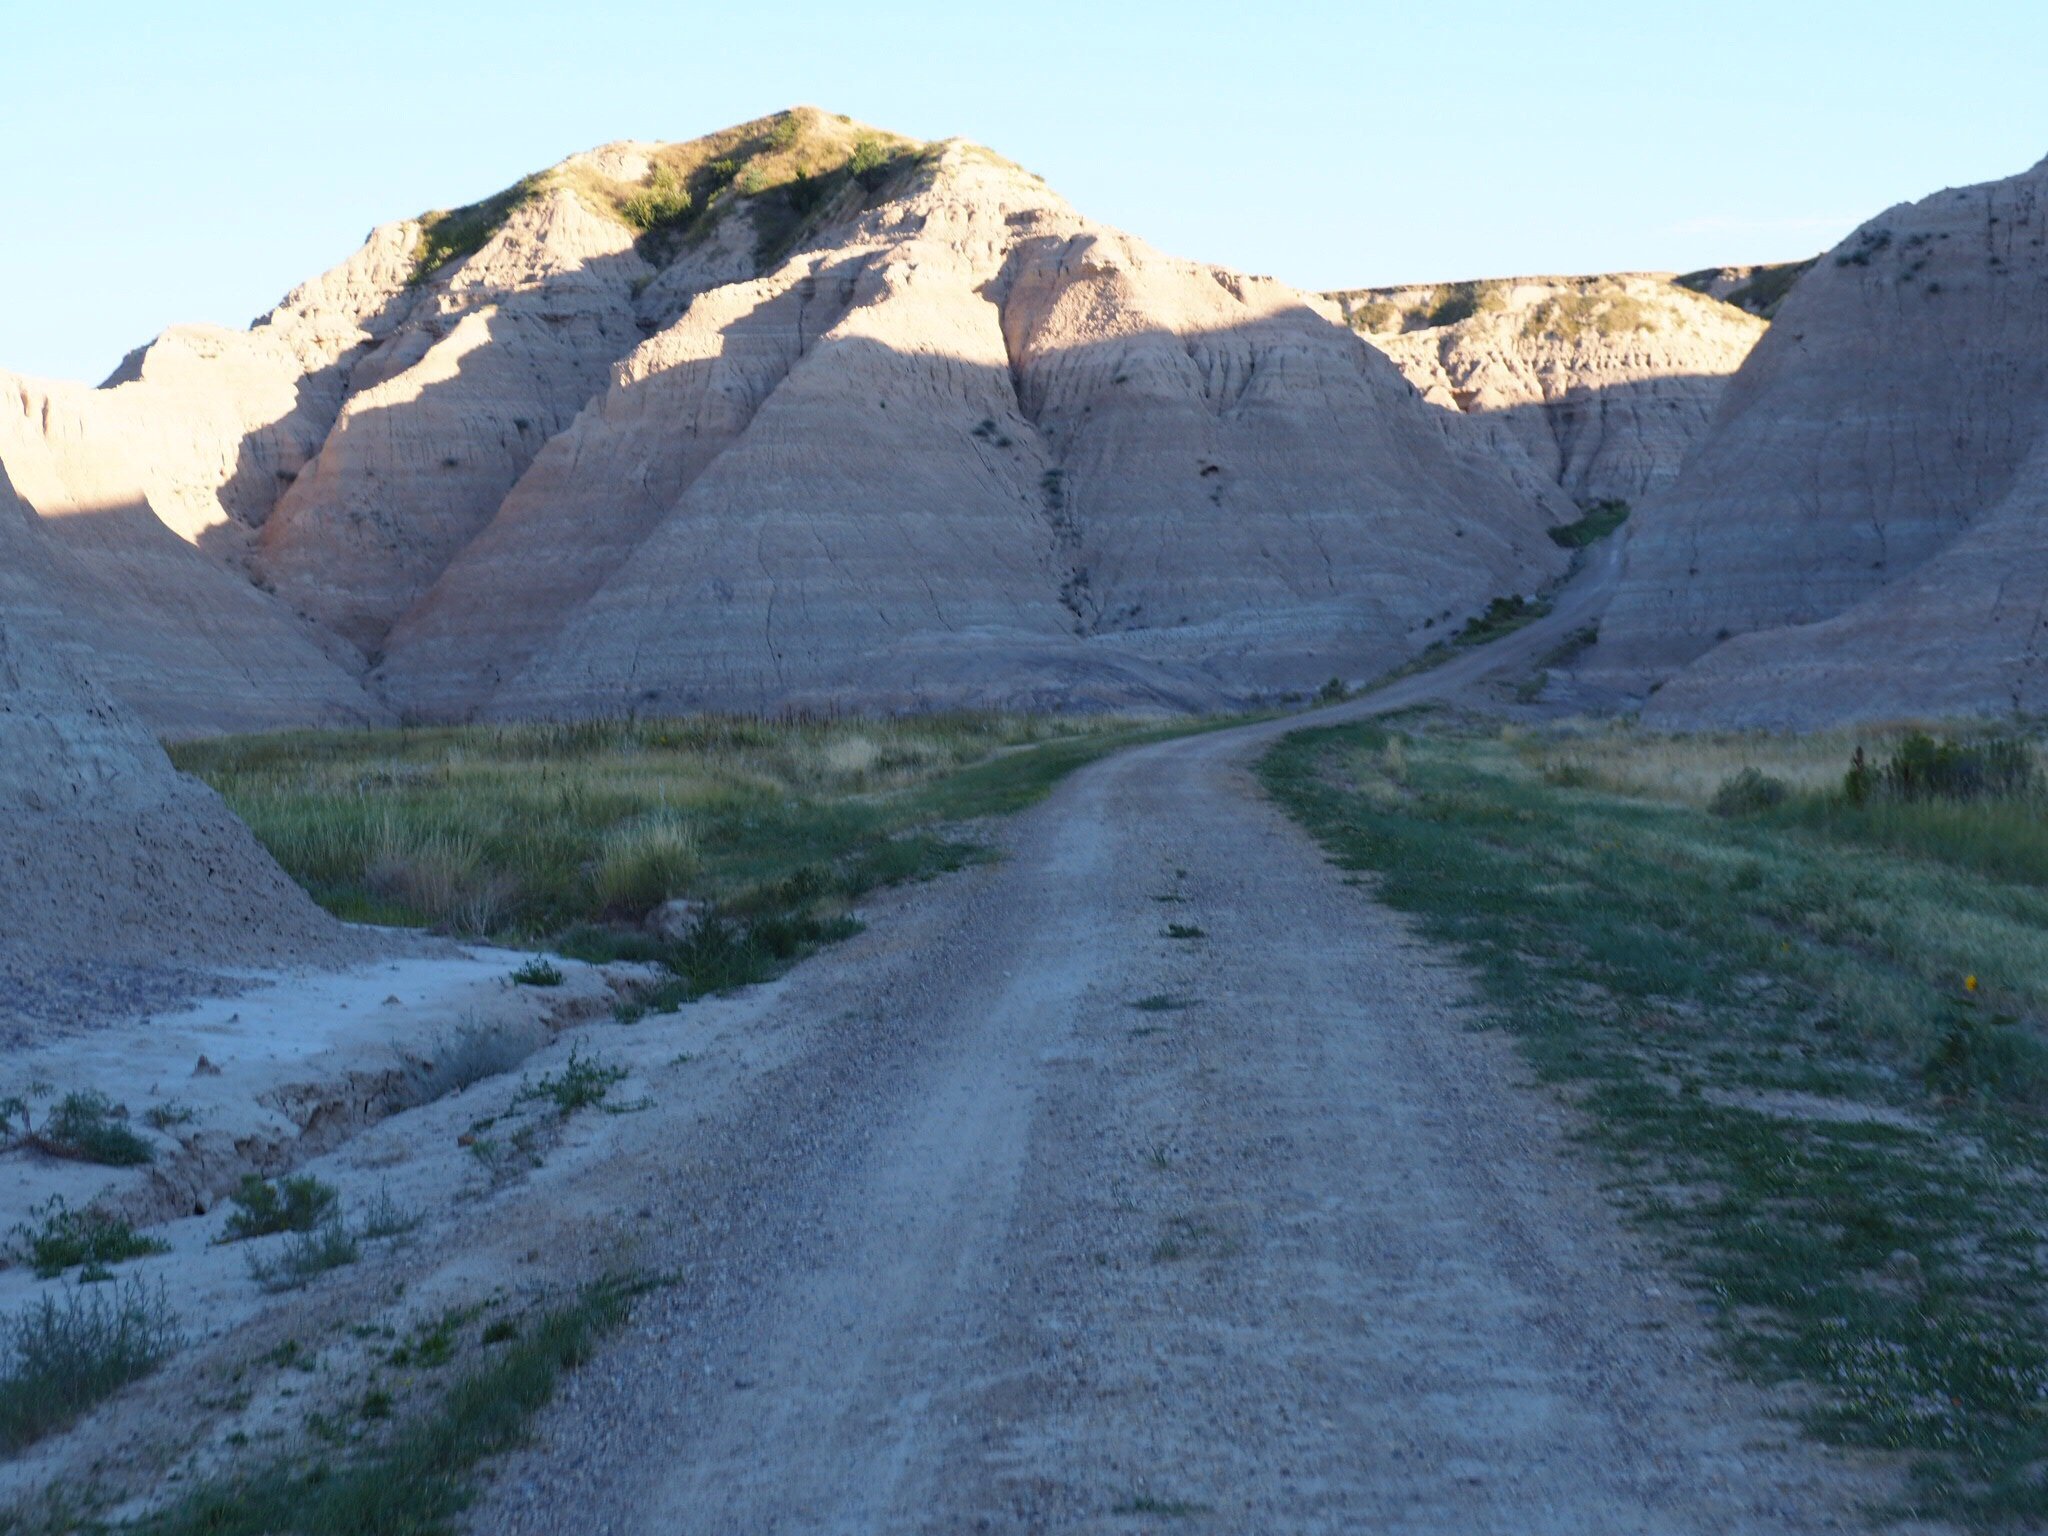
pixel 1922 768
pixel 474 1052
pixel 91 1128
pixel 870 163
pixel 1599 520
pixel 304 1256
pixel 89 1237
pixel 297 1204
pixel 1332 692
pixel 1748 792
pixel 161 1117
pixel 1503 616
pixel 662 205
pixel 584 1082
pixel 538 972
pixel 63 1357
pixel 385 1217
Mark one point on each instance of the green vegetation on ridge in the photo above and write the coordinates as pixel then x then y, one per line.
pixel 789 170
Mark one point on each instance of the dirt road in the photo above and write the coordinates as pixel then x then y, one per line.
pixel 1150 1180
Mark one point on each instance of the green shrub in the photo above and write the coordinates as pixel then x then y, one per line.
pixel 1599 520
pixel 452 234
pixel 1748 792
pixel 385 1217
pixel 538 972
pixel 1922 768
pixel 296 1204
pixel 663 206
pixel 63 1357
pixel 90 1237
pixel 91 1128
pixel 584 1081
pixel 870 163
pixel 305 1255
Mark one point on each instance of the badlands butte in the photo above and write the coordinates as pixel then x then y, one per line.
pixel 804 415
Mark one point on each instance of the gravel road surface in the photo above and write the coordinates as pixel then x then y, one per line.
pixel 1151 1179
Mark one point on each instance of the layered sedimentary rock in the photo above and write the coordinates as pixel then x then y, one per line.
pixel 798 413
pixel 968 447
pixel 1871 461
pixel 182 639
pixel 107 854
pixel 1965 634
pixel 1604 382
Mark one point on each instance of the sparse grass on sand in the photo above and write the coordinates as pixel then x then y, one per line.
pixel 415 1478
pixel 575 834
pixel 1808 1032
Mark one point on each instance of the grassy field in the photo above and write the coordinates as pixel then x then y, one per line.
pixel 1807 1032
pixel 572 835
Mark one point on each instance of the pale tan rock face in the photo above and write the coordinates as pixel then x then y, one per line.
pixel 1605 382
pixel 969 447
pixel 494 359
pixel 1890 411
pixel 177 636
pixel 598 489
pixel 206 425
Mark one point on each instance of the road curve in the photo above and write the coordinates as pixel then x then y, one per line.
pixel 1290 1250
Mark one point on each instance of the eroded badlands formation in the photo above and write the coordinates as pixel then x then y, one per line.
pixel 1604 382
pixel 797 414
pixel 1860 533
pixel 802 414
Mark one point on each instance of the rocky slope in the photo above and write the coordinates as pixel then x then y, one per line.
pixel 1861 506
pixel 799 413
pixel 967 447
pixel 1604 382
pixel 179 637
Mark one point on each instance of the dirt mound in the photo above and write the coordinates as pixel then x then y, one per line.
pixel 114 868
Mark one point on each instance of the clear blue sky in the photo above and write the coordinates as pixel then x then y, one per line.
pixel 161 163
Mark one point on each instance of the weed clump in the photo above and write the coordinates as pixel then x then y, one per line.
pixel 1599 520
pixel 297 1204
pixel 304 1256
pixel 90 1238
pixel 1921 768
pixel 86 1127
pixel 474 1052
pixel 538 972
pixel 583 1082
pixel 62 1357
pixel 1747 792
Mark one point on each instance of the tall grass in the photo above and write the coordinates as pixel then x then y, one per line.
pixel 522 831
pixel 574 833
